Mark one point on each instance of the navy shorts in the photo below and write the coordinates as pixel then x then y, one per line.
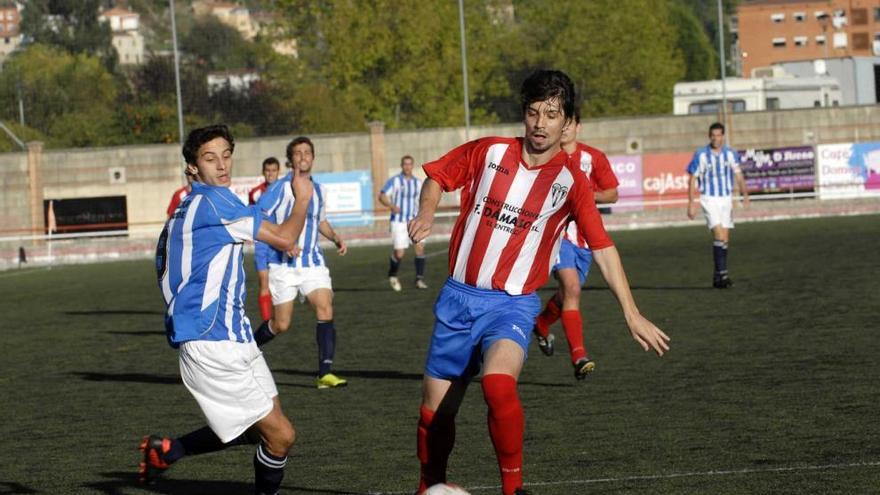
pixel 571 256
pixel 469 320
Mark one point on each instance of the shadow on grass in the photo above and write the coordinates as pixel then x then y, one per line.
pixel 11 487
pixel 138 333
pixel 369 374
pixel 128 377
pixel 114 312
pixel 551 288
pixel 119 481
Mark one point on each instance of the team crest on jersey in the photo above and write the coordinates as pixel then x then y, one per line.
pixel 586 163
pixel 557 193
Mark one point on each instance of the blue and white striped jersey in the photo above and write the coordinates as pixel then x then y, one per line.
pixel 404 194
pixel 199 263
pixel 277 204
pixel 714 171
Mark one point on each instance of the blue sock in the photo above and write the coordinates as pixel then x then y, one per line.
pixel 420 267
pixel 717 254
pixel 201 441
pixel 263 334
pixel 394 266
pixel 325 334
pixel 268 471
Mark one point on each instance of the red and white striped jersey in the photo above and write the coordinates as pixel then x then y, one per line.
pixel 597 168
pixel 508 229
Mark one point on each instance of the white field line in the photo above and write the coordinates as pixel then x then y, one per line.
pixel 664 476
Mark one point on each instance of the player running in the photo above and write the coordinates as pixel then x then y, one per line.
pixel 261 250
pixel 401 195
pixel 517 195
pixel 304 271
pixel 713 170
pixel 199 262
pixel 575 257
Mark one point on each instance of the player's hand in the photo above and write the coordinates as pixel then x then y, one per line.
pixel 692 210
pixel 295 252
pixel 746 201
pixel 302 187
pixel 395 209
pixel 648 335
pixel 419 228
pixel 341 248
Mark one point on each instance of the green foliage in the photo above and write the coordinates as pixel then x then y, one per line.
pixel 700 57
pixel 73 26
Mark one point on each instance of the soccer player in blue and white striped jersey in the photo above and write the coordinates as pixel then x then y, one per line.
pixel 199 263
pixel 401 195
pixel 714 170
pixel 302 271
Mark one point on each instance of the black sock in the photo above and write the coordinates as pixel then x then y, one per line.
pixel 394 266
pixel 200 441
pixel 268 471
pixel 263 334
pixel 724 260
pixel 325 335
pixel 716 256
pixel 420 267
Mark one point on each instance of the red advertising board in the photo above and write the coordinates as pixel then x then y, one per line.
pixel 665 179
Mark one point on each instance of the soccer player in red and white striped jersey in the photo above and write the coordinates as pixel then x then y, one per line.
pixel 575 257
pixel 517 196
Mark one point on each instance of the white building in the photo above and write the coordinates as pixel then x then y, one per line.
pixel 239 81
pixel 127 39
pixel 770 90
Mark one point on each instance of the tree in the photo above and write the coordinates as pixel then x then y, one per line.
pixel 73 26
pixel 700 57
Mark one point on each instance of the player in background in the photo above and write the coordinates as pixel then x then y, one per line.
pixel 302 272
pixel 401 195
pixel 714 170
pixel 517 195
pixel 178 195
pixel 199 263
pixel 575 257
pixel 271 167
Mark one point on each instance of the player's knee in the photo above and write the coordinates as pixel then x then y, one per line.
pixel 280 324
pixel 282 439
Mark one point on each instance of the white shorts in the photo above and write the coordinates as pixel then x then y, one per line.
pixel 231 382
pixel 286 282
pixel 718 211
pixel 399 235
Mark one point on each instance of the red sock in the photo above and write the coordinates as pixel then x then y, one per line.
pixel 506 425
pixel 265 301
pixel 573 325
pixel 547 317
pixel 436 436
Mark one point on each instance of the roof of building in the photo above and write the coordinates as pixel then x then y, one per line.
pixel 118 11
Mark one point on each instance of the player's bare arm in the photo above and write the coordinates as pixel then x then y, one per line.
pixel 386 201
pixel 327 231
pixel 284 236
pixel 692 188
pixel 419 228
pixel 741 184
pixel 643 331
pixel 606 196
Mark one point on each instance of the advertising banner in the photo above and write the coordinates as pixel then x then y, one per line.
pixel 665 179
pixel 777 170
pixel 628 169
pixel 848 170
pixel 349 198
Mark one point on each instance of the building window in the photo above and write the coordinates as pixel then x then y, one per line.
pixel 712 106
pixel 860 41
pixel 876 14
pixel 779 42
pixel 799 16
pixel 777 18
pixel 820 40
pixel 800 41
pixel 840 40
pixel 859 17
pixel 817 103
pixel 820 14
pixel 772 103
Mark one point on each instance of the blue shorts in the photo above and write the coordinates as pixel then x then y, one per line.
pixel 261 256
pixel 469 320
pixel 571 256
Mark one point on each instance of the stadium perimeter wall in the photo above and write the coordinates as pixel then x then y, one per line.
pixel 147 175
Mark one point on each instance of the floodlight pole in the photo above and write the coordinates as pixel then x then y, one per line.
pixel 723 64
pixel 176 72
pixel 464 72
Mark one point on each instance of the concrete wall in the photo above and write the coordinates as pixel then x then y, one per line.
pixel 153 172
